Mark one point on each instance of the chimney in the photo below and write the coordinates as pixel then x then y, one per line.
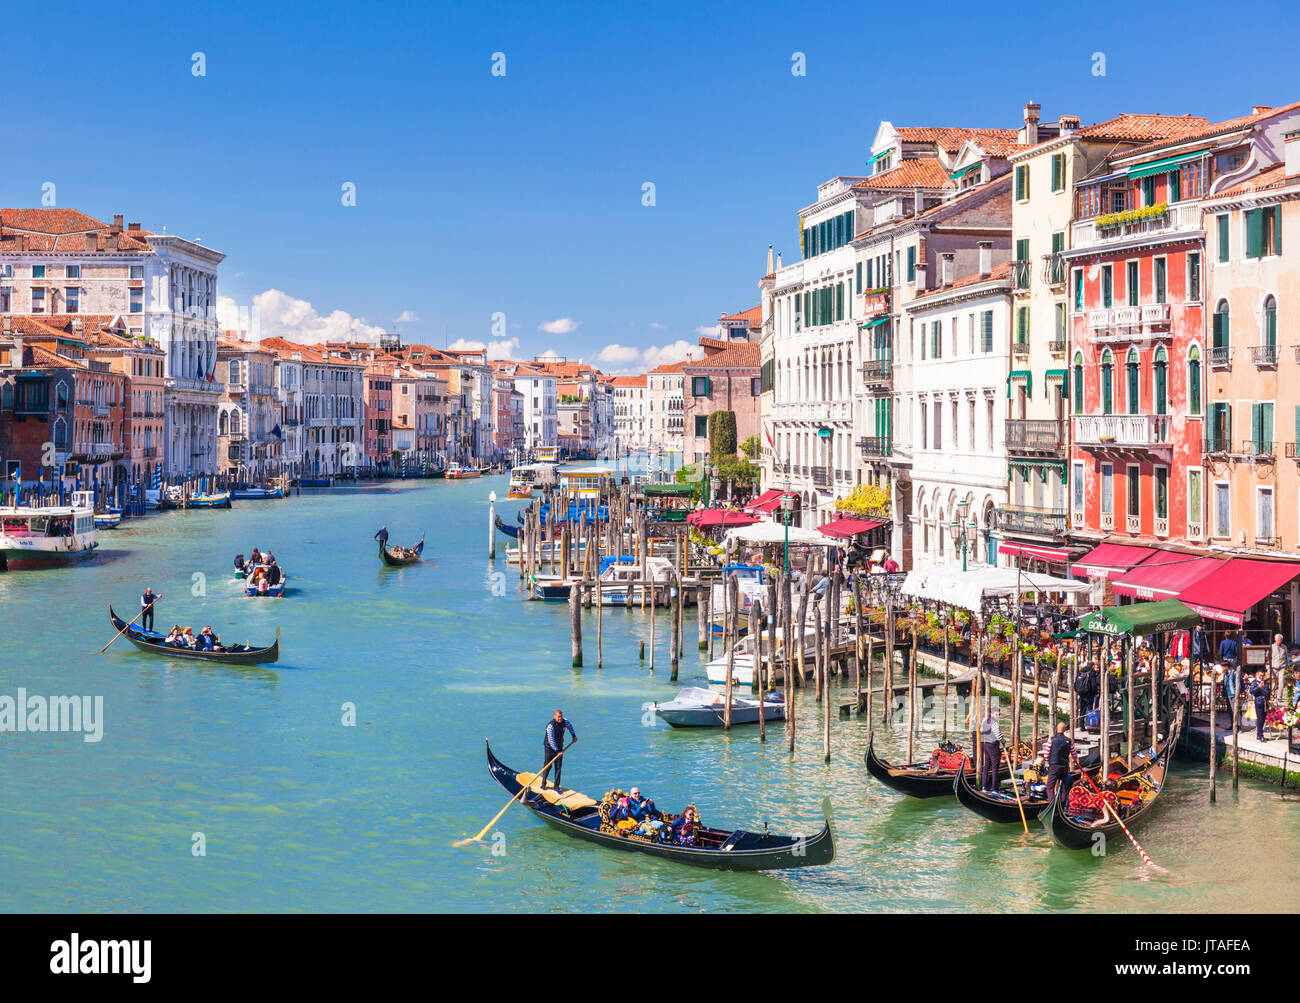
pixel 918 203
pixel 1029 133
pixel 92 241
pixel 117 222
pixel 778 260
pixel 986 257
pixel 1067 125
pixel 1292 153
pixel 920 275
pixel 133 226
pixel 1257 109
pixel 769 260
pixel 946 265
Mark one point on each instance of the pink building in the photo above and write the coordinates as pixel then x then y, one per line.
pixel 726 379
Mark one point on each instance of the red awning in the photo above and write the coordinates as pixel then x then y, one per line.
pixel 1054 554
pixel 845 526
pixel 711 518
pixel 1110 560
pixel 1236 586
pixel 1165 579
pixel 763 499
pixel 771 505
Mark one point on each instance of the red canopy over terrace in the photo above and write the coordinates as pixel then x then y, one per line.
pixel 1165 577
pixel 763 499
pixel 1236 586
pixel 845 526
pixel 1055 555
pixel 712 518
pixel 1110 560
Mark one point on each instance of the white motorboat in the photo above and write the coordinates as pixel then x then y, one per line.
pixel 697 707
pixel 48 535
pixel 742 672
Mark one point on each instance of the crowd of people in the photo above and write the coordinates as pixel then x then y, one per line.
pixel 260 570
pixel 184 637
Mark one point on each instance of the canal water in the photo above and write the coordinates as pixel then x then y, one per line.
pixel 296 809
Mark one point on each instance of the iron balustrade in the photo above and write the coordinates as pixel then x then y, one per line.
pixel 1035 435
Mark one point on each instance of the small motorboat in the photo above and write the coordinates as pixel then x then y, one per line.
pixel 456 472
pixel 697 707
pixel 742 670
pixel 256 493
pixel 110 519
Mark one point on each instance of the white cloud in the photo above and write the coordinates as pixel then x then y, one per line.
pixel 656 325
pixel 550 353
pixel 503 349
pixel 406 317
pixel 564 325
pixel 618 355
pixel 709 330
pixel 276 314
pixel 624 360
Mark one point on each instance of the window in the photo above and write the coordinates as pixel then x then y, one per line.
pixel 1162 492
pixel 72 300
pixel 1078 289
pixel 1161 282
pixel 1221 236
pixel 1263 513
pixel 911 264
pixel 858 276
pixel 1078 383
pixel 756 386
pixel 72 271
pixel 1060 323
pixel 938 426
pixel 1131 281
pixel 6 299
pixel 1022 182
pixel 1263 234
pixel 1131 372
pixel 1194 380
pixel 701 426
pixel 137 300
pixel 1149 190
pixel 1220 431
pixel 986 330
pixel 234 371
pixel 1022 249
pixel 1107 383
pixel 1076 489
pixel 1222 329
pixel 137 271
pixel 1022 325
pixel 1058 172
pixel 38 271
pixel 1107 489
pixel 1261 429
pixel 1270 322
pixel 1193 278
pixel 700 386
pixel 1160 369
pixel 1222 510
pixel 992 425
pixel 1133 501
pixel 38 301
pixel 1107 285
pixel 925 425
pixel 1194 497
pixel 1173 187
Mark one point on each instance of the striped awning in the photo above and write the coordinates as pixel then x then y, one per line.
pixel 958 175
pixel 1161 166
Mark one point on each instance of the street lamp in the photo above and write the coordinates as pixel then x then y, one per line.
pixel 958 528
pixel 787 512
pixel 715 484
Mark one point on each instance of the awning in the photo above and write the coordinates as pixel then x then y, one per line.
pixel 766 533
pixel 1142 618
pixel 957 175
pixel 1157 579
pixel 882 319
pixel 882 153
pixel 846 526
pixel 1021 374
pixel 1236 586
pixel 1110 560
pixel 771 505
pixel 1054 554
pixel 1061 376
pixel 1161 166
pixel 711 518
pixel 968 589
pixel 668 490
pixel 763 499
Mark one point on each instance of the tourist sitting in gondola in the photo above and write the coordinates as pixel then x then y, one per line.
pixel 175 638
pixel 643 810
pixel 209 641
pixel 681 830
pixel 188 640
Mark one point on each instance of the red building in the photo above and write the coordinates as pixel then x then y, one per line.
pixel 378 394
pixel 1137 353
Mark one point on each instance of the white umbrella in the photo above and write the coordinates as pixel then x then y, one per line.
pixel 761 533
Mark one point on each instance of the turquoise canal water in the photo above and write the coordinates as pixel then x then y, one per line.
pixel 302 813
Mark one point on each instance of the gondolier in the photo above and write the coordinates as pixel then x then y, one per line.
pixel 382 536
pixel 147 602
pixel 1058 760
pixel 991 740
pixel 553 745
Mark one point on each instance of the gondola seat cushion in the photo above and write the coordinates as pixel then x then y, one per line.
pixel 1082 799
pixel 941 760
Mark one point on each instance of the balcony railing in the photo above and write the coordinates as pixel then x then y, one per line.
pixel 1155 313
pixel 1054 270
pixel 1121 430
pixel 1056 347
pixel 1221 358
pixel 1258 448
pixel 1020 348
pixel 878 372
pixel 1216 444
pixel 1086 233
pixel 876 445
pixel 1032 435
pixel 1048 522
pixel 1020 274
pixel 1290 448
pixel 821 477
pixel 874 303
pixel 1264 356
pixel 1268 541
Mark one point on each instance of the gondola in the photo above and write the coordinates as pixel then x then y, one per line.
pixel 510 531
pixel 1145 783
pixel 721 849
pixel 1000 806
pixel 235 654
pixel 393 560
pixel 915 779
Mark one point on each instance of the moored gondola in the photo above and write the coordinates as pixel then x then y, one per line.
pixel 916 780
pixel 508 530
pixel 1135 796
pixel 1000 805
pixel 235 654
pixel 400 557
pixel 722 849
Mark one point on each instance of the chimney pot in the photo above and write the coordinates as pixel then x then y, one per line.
pixel 1258 108
pixel 920 275
pixel 986 257
pixel 946 261
pixel 117 221
pixel 917 202
pixel 133 226
pixel 1292 146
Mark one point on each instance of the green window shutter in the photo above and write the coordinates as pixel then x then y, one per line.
pixel 1277 228
pixel 1266 427
pixel 1221 225
pixel 1297 423
pixel 1107 286
pixel 869 285
pixel 987 322
pixel 1107 389
pixel 1058 242
pixel 1254 233
pixel 1175 190
pixel 1022 249
pixel 839 301
pixel 1133 399
pixel 1056 172
pixel 858 276
pixel 1078 289
pixel 1131 280
pixel 911 264
pixel 1078 389
pixel 1161 393
pixel 1194 386
pixel 1256 426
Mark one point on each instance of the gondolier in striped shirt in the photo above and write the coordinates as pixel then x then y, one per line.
pixel 991 740
pixel 147 601
pixel 553 745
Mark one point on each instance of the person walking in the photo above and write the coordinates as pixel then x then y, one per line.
pixel 553 745
pixel 147 602
pixel 1229 653
pixel 991 741
pixel 1200 647
pixel 1059 750
pixel 1278 657
pixel 1260 691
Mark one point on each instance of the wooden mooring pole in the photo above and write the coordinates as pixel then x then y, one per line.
pixel 575 623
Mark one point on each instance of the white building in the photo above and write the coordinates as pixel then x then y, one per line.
pixel 961 331
pixel 540 401
pixel 631 413
pixel 667 404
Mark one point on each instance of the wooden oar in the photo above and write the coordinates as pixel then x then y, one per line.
pixel 1107 813
pixel 124 629
pixel 1019 803
pixel 518 797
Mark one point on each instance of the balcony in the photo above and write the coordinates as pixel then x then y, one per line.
pixel 101 410
pixel 1044 522
pixel 1175 218
pixel 1264 356
pixel 1020 274
pixel 873 303
pixel 1056 347
pixel 1133 523
pixel 1020 349
pixel 876 446
pixel 1126 316
pixel 1025 435
pixel 821 477
pixel 1291 451
pixel 878 372
pixel 149 452
pixel 1123 432
pixel 1258 450
pixel 1270 542
pixel 1220 357
pixel 1162 526
pixel 1154 313
pixel 1054 270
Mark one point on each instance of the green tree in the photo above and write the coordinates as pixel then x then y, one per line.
pixel 722 434
pixel 751 447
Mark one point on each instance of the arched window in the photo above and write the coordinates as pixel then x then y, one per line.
pixel 234 422
pixel 1107 382
pixel 222 423
pixel 1221 327
pixel 1078 383
pixel 1270 322
pixel 1194 380
pixel 1131 372
pixel 1161 370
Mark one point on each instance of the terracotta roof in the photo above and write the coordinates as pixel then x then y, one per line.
pixel 64 230
pixel 1142 128
pixel 630 381
pixel 741 355
pixel 1271 177
pixel 50 221
pixel 672 367
pixel 921 172
pixel 989 188
pixel 753 316
pixel 1202 130
pixel 999 271
pixel 950 139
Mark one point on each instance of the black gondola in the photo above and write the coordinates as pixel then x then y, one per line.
pixel 510 531
pixel 916 780
pixel 1146 781
pixel 722 849
pixel 235 654
pixel 1000 806
pixel 410 555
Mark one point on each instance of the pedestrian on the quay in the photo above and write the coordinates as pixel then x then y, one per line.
pixel 147 602
pixel 382 536
pixel 1278 657
pixel 1200 646
pixel 553 745
pixel 1229 654
pixel 1259 689
pixel 991 740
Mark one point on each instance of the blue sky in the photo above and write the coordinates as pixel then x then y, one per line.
pixel 522 194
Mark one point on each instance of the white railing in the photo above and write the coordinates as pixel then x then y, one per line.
pixel 1076 518
pixel 1162 527
pixel 1176 217
pixel 1133 523
pixel 1098 319
pixel 1155 313
pixel 1194 531
pixel 1121 429
pixel 1108 520
pixel 1125 316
